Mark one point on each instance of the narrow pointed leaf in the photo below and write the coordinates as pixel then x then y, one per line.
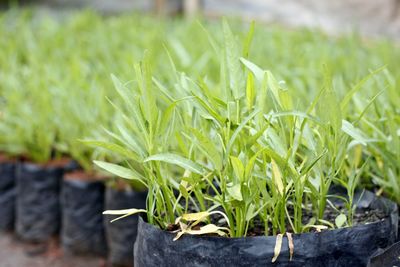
pixel 180 161
pixel 120 171
pixel 277 177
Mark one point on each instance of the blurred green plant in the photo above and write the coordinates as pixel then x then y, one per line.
pixel 243 149
pixel 54 73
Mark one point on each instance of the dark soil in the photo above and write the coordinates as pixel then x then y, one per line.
pixel 83 176
pixel 118 184
pixel 53 163
pixel 361 216
pixel 5 158
pixel 257 228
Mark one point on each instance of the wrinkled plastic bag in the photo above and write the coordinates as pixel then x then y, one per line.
pixel 82 219
pixel 38 213
pixel 7 195
pixel 387 257
pixel 351 246
pixel 121 234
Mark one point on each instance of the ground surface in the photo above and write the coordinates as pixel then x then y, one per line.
pixel 369 17
pixel 14 253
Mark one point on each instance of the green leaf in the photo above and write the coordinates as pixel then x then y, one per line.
pixel 179 49
pixel 211 40
pixel 248 40
pixel 275 88
pixel 250 92
pixel 214 114
pixel 238 167
pixel 240 128
pixel 356 133
pixel 293 113
pixel 175 159
pixel 277 177
pixel 235 192
pixel 340 220
pixel 130 139
pixel 232 58
pixel 345 102
pixel 121 90
pixel 166 117
pixel 250 164
pixel 208 148
pixel 183 190
pixel 250 214
pixel 113 148
pixel 120 171
pixel 163 89
pixel 143 75
pixel 329 106
pixel 256 70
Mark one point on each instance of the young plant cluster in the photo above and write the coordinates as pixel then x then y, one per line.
pixel 242 148
pixel 238 141
pixel 55 77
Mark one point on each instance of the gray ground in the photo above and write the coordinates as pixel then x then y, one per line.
pixel 368 17
pixel 14 253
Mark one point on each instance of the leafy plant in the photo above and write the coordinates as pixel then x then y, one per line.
pixel 28 129
pixel 315 129
pixel 251 158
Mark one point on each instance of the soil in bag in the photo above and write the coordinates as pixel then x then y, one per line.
pixel 82 206
pixel 350 246
pixel 7 194
pixel 121 234
pixel 38 213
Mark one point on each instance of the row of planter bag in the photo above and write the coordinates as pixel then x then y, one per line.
pixel 41 201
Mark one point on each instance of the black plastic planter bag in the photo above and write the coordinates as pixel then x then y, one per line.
pixel 82 207
pixel 121 234
pixel 388 257
pixel 341 247
pixel 7 195
pixel 38 201
pixel 72 165
pixel 398 231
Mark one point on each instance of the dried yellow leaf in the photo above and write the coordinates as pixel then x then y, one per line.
pixel 198 216
pixel 291 245
pixel 278 247
pixel 124 213
pixel 319 228
pixel 207 229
